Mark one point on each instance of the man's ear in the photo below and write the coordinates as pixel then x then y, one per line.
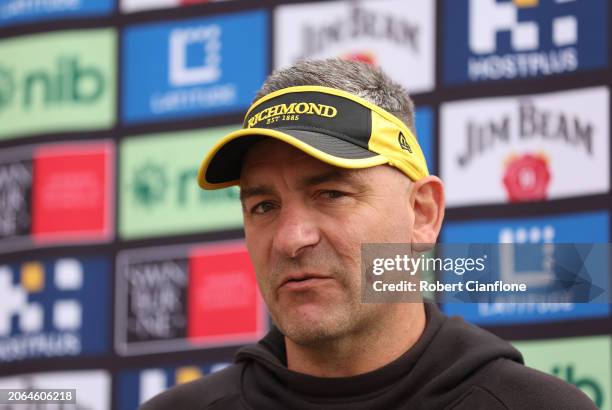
pixel 427 200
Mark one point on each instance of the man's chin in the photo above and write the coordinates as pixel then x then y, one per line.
pixel 308 324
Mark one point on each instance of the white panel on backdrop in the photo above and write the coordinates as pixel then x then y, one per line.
pixel 397 35
pixel 92 386
pixel 524 148
pixel 128 6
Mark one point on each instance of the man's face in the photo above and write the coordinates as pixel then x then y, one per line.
pixel 305 222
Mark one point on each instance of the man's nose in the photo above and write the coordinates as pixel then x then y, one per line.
pixel 296 230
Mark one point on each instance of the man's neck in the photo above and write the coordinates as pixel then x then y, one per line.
pixel 358 354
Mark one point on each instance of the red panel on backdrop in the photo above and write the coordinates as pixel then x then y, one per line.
pixel 223 299
pixel 72 191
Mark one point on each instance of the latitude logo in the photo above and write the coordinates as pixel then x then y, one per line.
pixel 195 55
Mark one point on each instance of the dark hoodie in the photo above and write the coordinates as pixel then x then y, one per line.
pixel 453 365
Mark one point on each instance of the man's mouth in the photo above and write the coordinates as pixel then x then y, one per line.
pixel 303 281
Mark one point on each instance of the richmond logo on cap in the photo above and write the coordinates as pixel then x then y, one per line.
pixel 291 112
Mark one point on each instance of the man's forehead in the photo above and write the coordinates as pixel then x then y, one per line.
pixel 271 157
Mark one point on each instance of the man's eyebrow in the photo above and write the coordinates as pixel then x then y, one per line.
pixel 335 175
pixel 247 192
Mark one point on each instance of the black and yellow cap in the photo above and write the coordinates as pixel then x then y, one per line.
pixel 331 125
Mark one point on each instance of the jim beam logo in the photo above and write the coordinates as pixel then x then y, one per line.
pixel 532 123
pixel 359 23
pixel 527 175
pixel 291 112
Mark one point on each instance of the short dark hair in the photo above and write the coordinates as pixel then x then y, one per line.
pixel 361 79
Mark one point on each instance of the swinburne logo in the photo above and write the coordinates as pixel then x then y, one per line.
pixel 69 82
pixel 320 110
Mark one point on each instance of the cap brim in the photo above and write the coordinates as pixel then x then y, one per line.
pixel 222 165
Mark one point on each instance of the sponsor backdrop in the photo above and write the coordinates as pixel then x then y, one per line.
pixel 123 277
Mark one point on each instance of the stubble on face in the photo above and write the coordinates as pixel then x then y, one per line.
pixel 331 312
pixel 323 313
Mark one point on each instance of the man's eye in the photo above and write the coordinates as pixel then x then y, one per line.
pixel 333 194
pixel 262 208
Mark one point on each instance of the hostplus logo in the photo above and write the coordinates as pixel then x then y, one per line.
pixel 25 329
pixel 508 39
pixel 153 185
pixel 70 81
pixel 490 18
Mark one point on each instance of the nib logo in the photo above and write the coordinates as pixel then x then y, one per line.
pixel 69 82
pixel 7 87
pixel 150 184
pixel 587 384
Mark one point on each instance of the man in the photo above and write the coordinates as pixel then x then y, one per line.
pixel 327 160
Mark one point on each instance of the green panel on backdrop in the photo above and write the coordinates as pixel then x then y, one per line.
pixel 57 82
pixel 159 194
pixel 582 361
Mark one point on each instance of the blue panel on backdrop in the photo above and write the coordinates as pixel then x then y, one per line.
pixel 591 227
pixel 137 386
pixel 193 68
pixel 489 40
pixel 22 11
pixel 425 132
pixel 54 308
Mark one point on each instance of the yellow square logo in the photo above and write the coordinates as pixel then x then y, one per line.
pixel 187 374
pixel 526 3
pixel 33 276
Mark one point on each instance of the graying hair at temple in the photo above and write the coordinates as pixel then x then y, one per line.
pixel 361 79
